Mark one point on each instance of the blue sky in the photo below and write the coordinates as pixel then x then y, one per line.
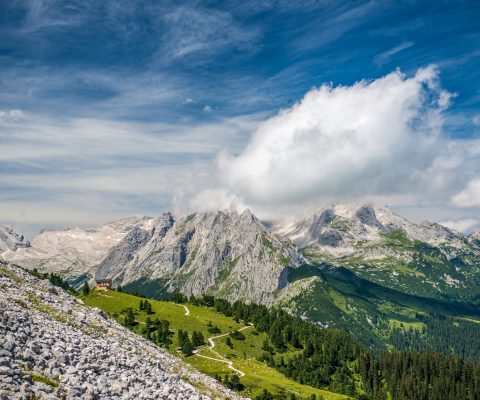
pixel 115 108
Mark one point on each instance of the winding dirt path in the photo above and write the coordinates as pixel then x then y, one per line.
pixel 220 357
pixel 212 346
pixel 187 311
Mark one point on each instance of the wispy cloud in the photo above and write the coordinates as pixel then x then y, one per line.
pixel 384 57
pixel 99 166
pixel 118 107
pixel 468 196
pixel 466 225
pixel 193 30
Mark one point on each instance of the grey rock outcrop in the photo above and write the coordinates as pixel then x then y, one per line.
pixel 10 239
pixel 53 347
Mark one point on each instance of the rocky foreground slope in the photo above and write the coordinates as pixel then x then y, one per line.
pixel 54 347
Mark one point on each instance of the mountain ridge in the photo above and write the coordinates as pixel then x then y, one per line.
pixel 235 256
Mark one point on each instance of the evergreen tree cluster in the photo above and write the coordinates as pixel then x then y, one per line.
pixel 158 331
pixel 419 376
pixel 146 306
pixel 54 279
pixel 237 335
pixel 442 335
pixel 184 343
pixel 197 339
pixel 331 359
pixel 129 318
pixel 232 382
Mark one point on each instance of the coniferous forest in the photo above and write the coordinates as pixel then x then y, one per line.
pixel 331 359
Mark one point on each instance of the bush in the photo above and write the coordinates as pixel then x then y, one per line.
pixel 237 335
pixel 214 329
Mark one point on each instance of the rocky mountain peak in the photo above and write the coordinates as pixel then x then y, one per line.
pixel 226 251
pixel 366 215
pixel 338 227
pixel 11 239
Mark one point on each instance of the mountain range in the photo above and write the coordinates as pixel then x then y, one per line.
pixel 357 267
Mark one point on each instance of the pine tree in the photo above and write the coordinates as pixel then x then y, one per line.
pixel 197 339
pixel 229 343
pixel 235 383
pixel 147 306
pixel 85 289
pixel 130 318
pixel 187 348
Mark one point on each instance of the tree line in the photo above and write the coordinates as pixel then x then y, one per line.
pixel 330 359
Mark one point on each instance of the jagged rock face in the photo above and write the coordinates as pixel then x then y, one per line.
pixel 330 237
pixel 47 333
pixel 226 253
pixel 338 228
pixel 474 238
pixel 10 239
pixel 366 215
pixel 425 259
pixel 74 252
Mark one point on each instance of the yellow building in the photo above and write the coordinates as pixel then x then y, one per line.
pixel 104 284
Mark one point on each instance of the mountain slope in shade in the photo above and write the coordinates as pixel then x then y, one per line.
pixel 226 253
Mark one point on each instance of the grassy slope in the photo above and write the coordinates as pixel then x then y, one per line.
pixel 366 309
pixel 258 376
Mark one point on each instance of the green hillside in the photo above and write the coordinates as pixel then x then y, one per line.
pixel 379 316
pixel 243 356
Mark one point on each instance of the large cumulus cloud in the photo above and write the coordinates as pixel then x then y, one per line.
pixel 374 138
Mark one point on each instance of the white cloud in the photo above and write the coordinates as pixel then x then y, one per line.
pixel 207 109
pixel 188 101
pixel 11 114
pixel 466 225
pixel 469 196
pixel 476 120
pixel 214 199
pixel 377 138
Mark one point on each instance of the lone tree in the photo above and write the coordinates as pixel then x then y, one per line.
pixel 184 343
pixel 130 318
pixel 86 289
pixel 229 343
pixel 147 306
